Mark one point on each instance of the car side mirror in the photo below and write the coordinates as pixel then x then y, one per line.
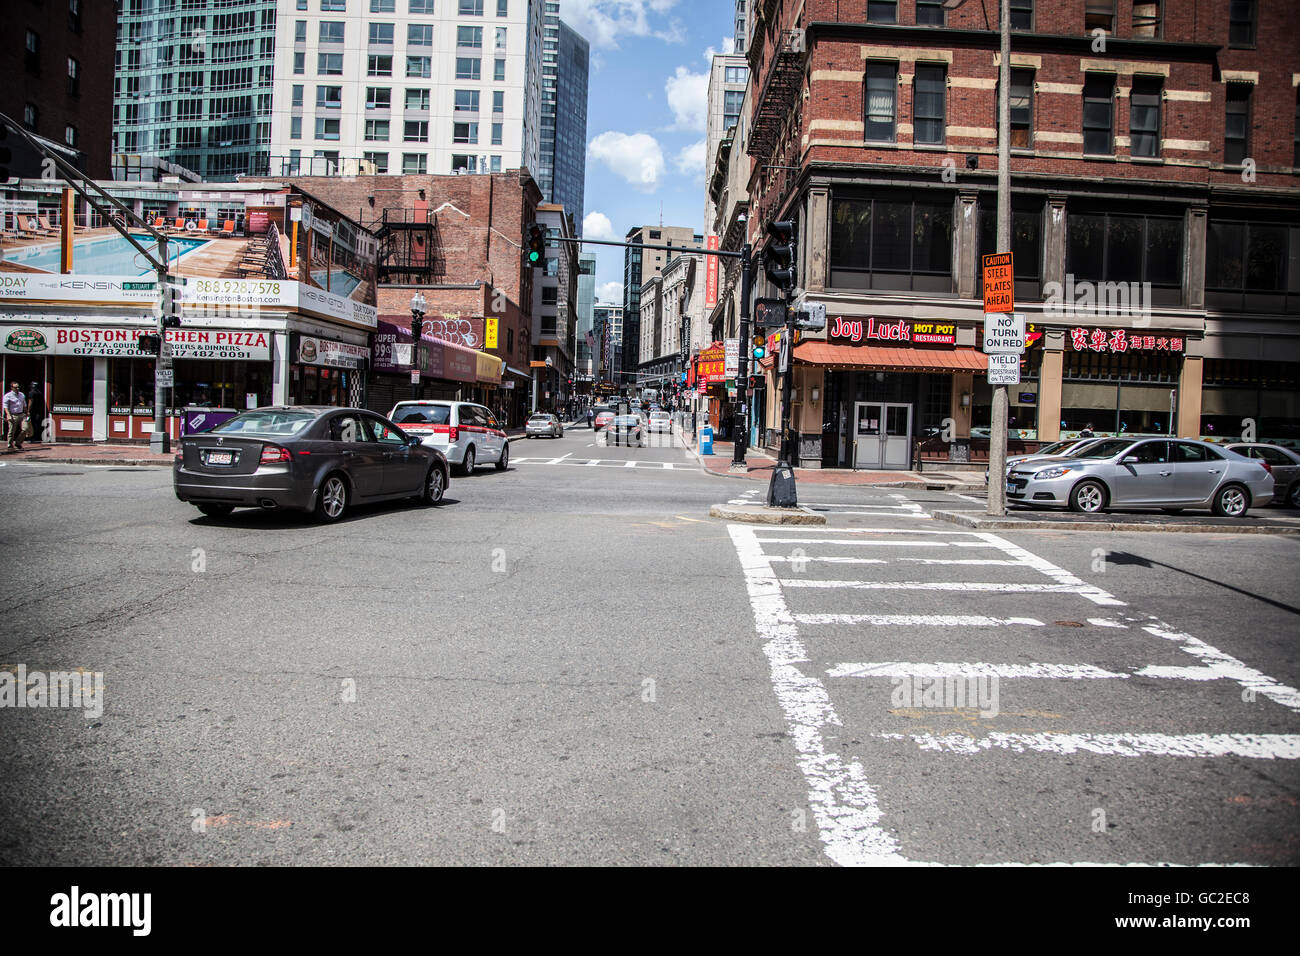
pixel 1129 460
pixel 414 440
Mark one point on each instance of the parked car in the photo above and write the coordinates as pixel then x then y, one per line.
pixel 1055 449
pixel 660 422
pixel 543 424
pixel 603 417
pixel 468 434
pixel 306 457
pixel 626 430
pixel 1283 463
pixel 1144 473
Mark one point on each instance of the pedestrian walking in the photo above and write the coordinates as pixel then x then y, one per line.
pixel 36 411
pixel 1087 431
pixel 15 404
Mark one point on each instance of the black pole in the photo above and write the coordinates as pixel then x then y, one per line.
pixel 781 490
pixel 741 437
pixel 417 328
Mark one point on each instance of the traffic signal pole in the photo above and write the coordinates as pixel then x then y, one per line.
pixel 997 490
pixel 741 428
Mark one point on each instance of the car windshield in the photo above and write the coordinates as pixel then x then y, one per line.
pixel 1107 448
pixel 540 418
pixel 422 414
pixel 626 420
pixel 658 414
pixel 281 424
pixel 1053 448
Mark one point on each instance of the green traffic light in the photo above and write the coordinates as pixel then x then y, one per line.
pixel 533 256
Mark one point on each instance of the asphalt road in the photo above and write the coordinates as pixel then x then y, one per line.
pixel 570 663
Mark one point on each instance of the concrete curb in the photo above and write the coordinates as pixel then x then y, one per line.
pixel 967 520
pixel 133 462
pixel 761 514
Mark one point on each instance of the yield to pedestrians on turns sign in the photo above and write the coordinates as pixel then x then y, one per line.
pixel 1004 369
pixel 1004 332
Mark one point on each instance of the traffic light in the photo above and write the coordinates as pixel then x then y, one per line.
pixel 536 244
pixel 760 347
pixel 778 258
pixel 150 343
pixel 171 305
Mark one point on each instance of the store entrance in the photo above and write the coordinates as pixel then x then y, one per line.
pixel 883 436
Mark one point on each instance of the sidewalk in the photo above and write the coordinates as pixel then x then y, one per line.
pixel 761 465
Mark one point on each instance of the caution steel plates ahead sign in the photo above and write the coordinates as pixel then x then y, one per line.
pixel 999 283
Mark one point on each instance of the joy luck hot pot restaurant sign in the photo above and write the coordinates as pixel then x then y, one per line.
pixel 904 332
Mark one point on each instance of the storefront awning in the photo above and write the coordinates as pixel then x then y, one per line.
pixel 900 359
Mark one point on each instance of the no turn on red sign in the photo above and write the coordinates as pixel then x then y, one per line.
pixel 1004 333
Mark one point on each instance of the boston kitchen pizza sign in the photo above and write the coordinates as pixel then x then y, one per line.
pixel 842 331
pixel 121 342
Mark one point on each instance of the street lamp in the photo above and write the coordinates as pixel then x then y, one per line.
pixel 997 493
pixel 417 330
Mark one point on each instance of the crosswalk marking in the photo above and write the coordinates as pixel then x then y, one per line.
pixel 595 462
pixel 1001 587
pixel 964 669
pixel 917 620
pixel 1255 746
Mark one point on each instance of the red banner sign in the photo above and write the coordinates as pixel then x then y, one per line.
pixel 1122 340
pixel 712 364
pixel 711 275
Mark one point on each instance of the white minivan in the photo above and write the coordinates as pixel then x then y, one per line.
pixel 467 434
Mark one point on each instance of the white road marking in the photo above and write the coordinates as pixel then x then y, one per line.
pixel 972 561
pixel 1257 746
pixel 845 543
pixel 1179 673
pixel 997 587
pixel 556 461
pixel 1228 666
pixel 592 463
pixel 842 800
pixel 966 498
pixel 1105 622
pixel 917 620
pixel 887 514
pixel 1061 576
pixel 963 669
pixel 827 560
pixel 630 464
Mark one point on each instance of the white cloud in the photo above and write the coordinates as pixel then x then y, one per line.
pixel 688 98
pixel 726 48
pixel 636 158
pixel 610 292
pixel 605 22
pixel 690 159
pixel 596 225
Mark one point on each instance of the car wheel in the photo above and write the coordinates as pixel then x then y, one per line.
pixel 561 434
pixel 1088 497
pixel 332 498
pixel 467 466
pixel 504 461
pixel 1293 496
pixel 1231 501
pixel 435 486
pixel 216 511
pixel 529 437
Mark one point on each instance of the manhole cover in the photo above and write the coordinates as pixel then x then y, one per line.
pixel 1068 623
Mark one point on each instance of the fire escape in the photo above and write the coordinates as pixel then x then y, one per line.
pixel 780 93
pixel 409 248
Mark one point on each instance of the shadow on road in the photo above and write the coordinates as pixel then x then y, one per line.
pixel 1136 560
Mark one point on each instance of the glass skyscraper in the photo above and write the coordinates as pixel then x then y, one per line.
pixel 562 172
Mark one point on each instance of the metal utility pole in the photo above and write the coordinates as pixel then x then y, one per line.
pixel 418 304
pixel 741 428
pixel 779 266
pixel 997 490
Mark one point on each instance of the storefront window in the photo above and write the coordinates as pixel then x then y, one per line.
pixel 1238 394
pixel 900 243
pixel 313 385
pixel 1022 405
pixel 1107 247
pixel 130 383
pixel 1119 393
pixel 1252 266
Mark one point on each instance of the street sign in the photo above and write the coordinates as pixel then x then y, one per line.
pixel 1004 369
pixel 732 357
pixel 415 377
pixel 769 313
pixel 164 377
pixel 999 282
pixel 812 318
pixel 783 365
pixel 1004 332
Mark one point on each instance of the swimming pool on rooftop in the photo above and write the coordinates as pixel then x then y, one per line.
pixel 106 256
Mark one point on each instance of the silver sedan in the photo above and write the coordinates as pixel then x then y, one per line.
pixel 1169 474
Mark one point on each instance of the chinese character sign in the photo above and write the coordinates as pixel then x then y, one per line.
pixel 1119 340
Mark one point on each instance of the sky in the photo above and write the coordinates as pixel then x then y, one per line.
pixel 647 96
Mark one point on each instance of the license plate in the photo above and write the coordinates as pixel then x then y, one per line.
pixel 1011 487
pixel 221 457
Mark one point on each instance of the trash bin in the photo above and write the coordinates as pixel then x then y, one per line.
pixel 706 440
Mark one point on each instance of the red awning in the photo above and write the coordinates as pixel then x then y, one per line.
pixel 901 359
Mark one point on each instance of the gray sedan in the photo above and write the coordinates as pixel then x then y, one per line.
pixel 1282 462
pixel 1170 474
pixel 543 424
pixel 309 458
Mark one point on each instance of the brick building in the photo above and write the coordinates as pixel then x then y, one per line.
pixel 58 72
pixel 1156 216
pixel 458 240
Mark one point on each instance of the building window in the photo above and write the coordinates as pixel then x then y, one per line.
pixel 74 77
pixel 1106 247
pixel 497 133
pixel 471 37
pixel 1241 23
pixel 736 74
pixel 1237 123
pixel 463 164
pixel 1026 247
pixel 379 159
pixel 297 95
pixel 499 71
pixel 74 15
pixel 1099 15
pixel 417 100
pixel 1022 14
pixel 329 96
pixel 70 135
pixel 550 293
pixel 1144 117
pixel 377 65
pixel 929 13
pixel 377 131
pixel 1252 266
pixel 379 98
pixel 414 163
pixel 1098 107
pixel 420 6
pixel 466 101
pixel 334 6
pixel 882 90
pixel 419 66
pixel 331 31
pixel 32 52
pixel 503 8
pixel 299 64
pixel 499 105
pixel 882 11
pixel 327 128
pixel 468 68
pixel 415 131
pixel 1022 109
pixel 295 127
pixel 928 104
pixel 419 34
pixel 381 34
pixel 300 31
pixel 329 64
pixel 501 38
pixel 1146 18
pixel 464 132
pixel 383 6
pixel 899 243
pixel 470 8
